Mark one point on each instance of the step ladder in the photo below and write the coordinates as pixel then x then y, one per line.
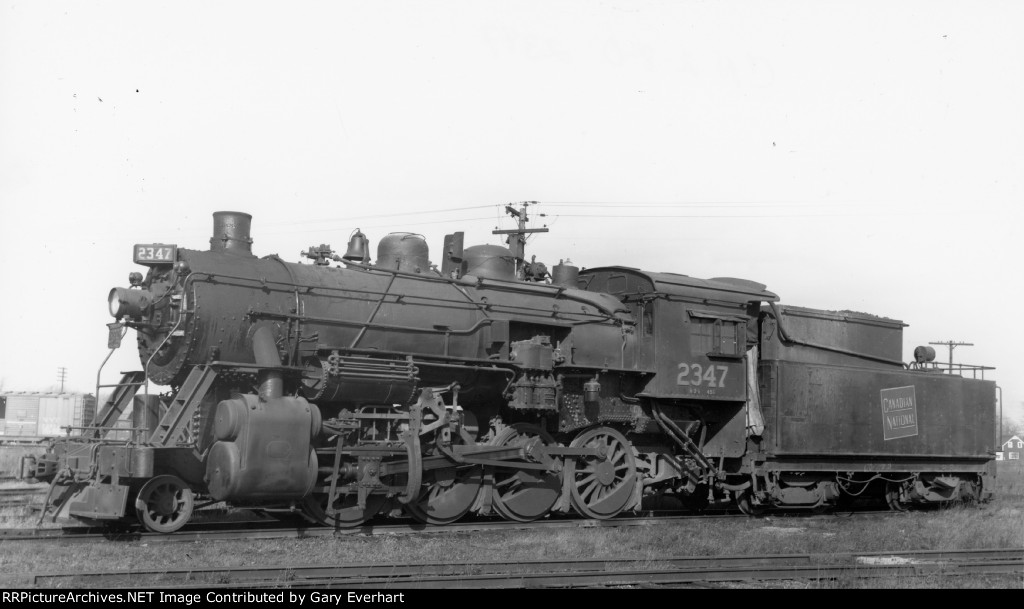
pixel 172 425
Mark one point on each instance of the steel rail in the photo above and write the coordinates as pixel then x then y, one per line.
pixel 274 530
pixel 666 577
pixel 17 492
pixel 222 531
pixel 7 502
pixel 563 573
pixel 20 497
pixel 670 577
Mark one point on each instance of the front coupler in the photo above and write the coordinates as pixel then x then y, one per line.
pixel 92 473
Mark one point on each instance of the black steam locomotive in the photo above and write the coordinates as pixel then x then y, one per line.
pixel 341 388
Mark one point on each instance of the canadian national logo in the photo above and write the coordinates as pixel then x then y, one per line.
pixel 899 412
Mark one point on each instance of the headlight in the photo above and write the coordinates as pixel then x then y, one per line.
pixel 131 303
pixel 115 303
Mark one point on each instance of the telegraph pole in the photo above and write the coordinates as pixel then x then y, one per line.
pixel 62 375
pixel 952 344
pixel 517 237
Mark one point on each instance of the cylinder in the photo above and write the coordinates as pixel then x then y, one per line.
pixel 229 418
pixel 489 261
pixel 565 274
pixel 231 232
pixel 405 252
pixel 264 449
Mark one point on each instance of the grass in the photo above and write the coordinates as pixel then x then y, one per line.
pixel 999 524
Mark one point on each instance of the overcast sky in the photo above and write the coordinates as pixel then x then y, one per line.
pixel 850 155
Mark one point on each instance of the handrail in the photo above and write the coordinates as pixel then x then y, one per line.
pixel 102 365
pixel 951 368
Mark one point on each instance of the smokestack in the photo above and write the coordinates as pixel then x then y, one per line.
pixel 231 232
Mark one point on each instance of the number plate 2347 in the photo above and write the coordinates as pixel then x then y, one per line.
pixel 695 375
pixel 158 253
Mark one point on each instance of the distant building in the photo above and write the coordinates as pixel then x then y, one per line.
pixel 1010 450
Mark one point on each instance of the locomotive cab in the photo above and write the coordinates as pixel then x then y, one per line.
pixel 695 335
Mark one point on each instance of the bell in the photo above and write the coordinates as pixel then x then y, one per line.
pixel 358 246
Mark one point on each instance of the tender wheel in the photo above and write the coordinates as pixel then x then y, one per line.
pixel 164 504
pixel 346 511
pixel 892 497
pixel 602 487
pixel 447 495
pixel 970 492
pixel 524 495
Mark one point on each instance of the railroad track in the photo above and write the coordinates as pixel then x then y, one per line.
pixel 17 492
pixel 15 497
pixel 6 502
pixel 265 529
pixel 605 572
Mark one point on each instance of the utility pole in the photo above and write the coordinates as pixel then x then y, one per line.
pixel 517 237
pixel 62 375
pixel 952 344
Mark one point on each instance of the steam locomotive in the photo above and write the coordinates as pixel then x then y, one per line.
pixel 343 388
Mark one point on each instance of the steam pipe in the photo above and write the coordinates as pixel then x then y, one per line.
pixel 264 348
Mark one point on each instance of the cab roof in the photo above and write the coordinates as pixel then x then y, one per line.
pixel 673 284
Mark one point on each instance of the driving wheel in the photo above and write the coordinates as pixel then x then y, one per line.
pixel 524 494
pixel 447 494
pixel 602 486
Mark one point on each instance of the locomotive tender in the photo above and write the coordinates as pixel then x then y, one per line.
pixel 340 391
